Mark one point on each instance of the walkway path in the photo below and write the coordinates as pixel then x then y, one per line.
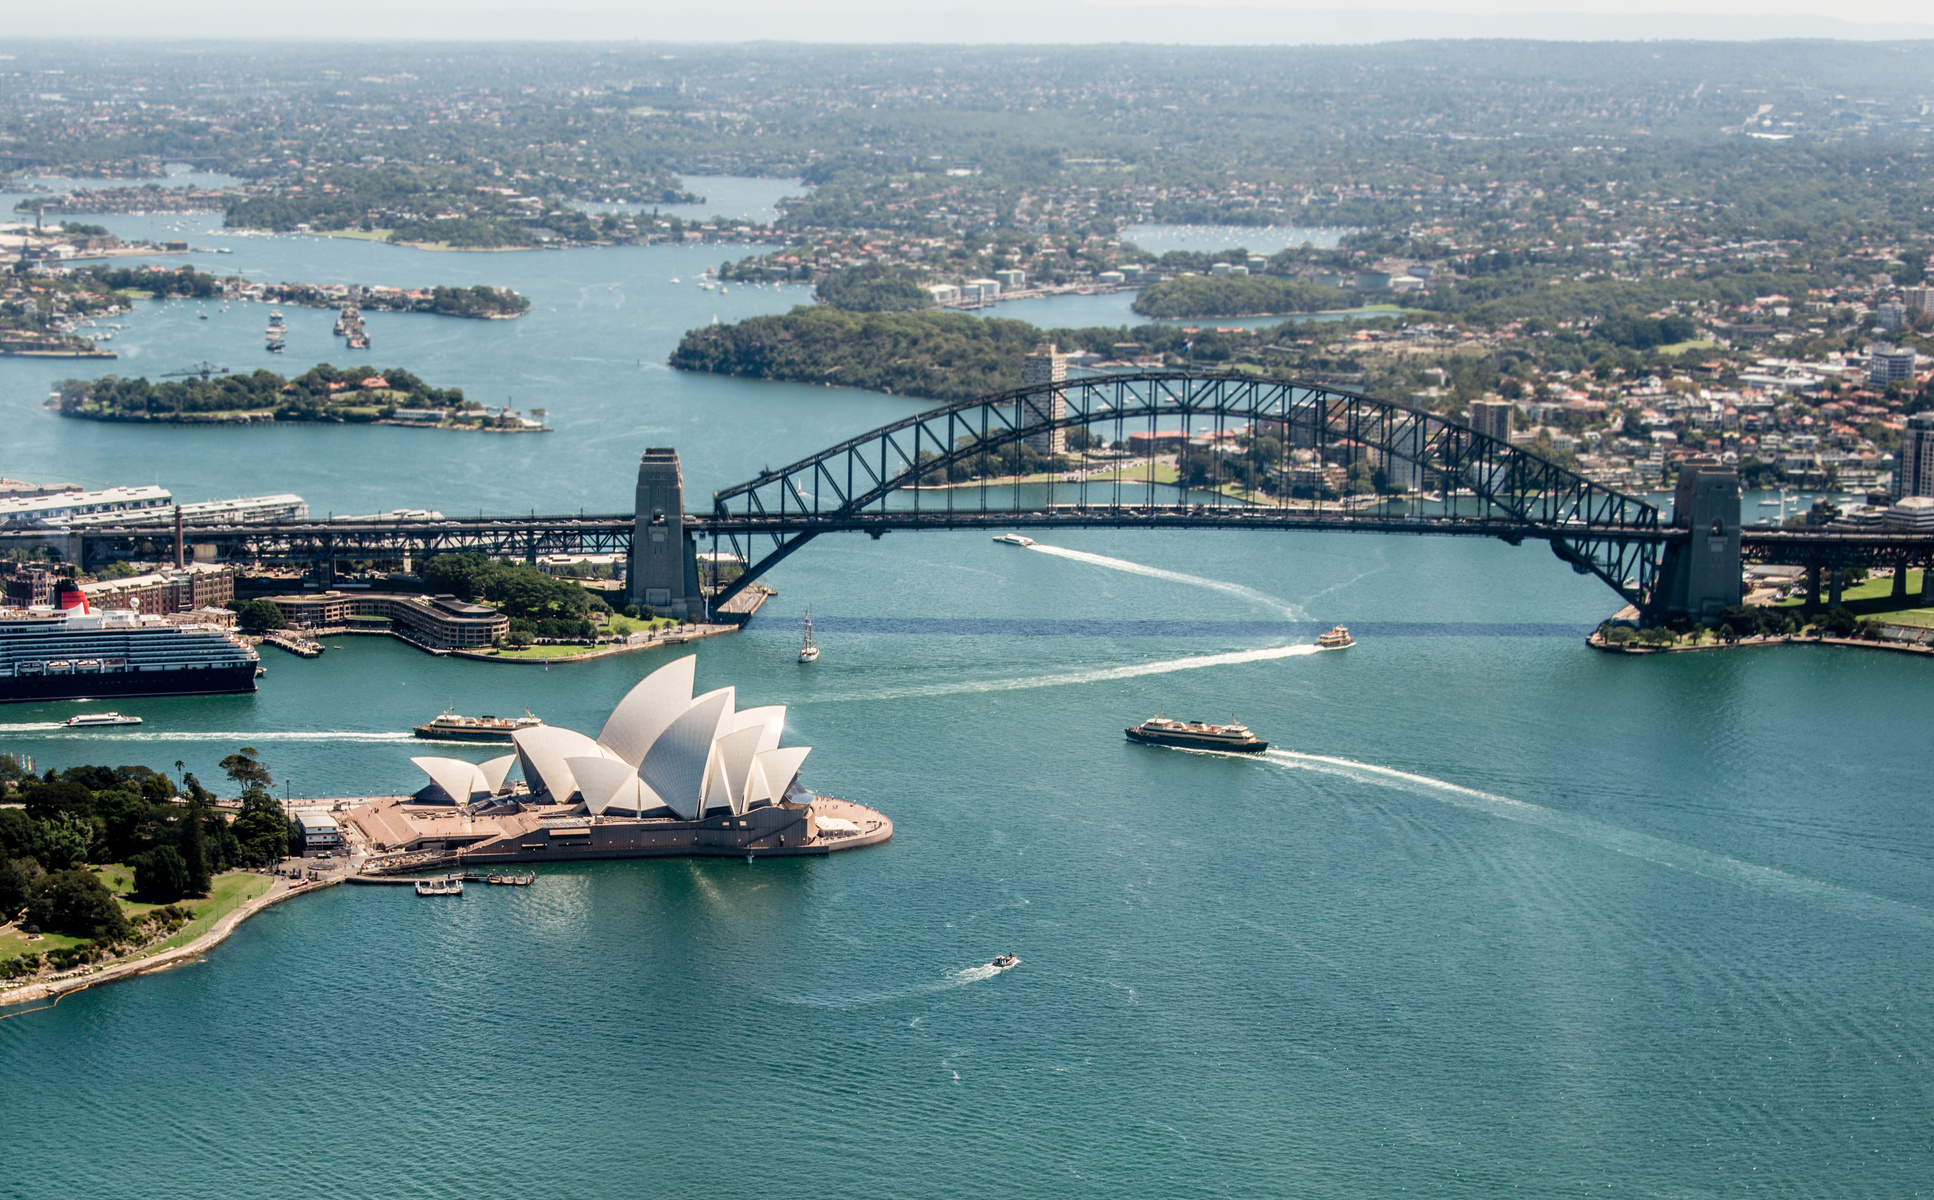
pixel 54 989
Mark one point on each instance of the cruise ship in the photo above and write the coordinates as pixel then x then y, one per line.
pixel 73 653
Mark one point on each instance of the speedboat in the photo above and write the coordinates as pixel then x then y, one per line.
pixel 1014 539
pixel 1005 962
pixel 90 720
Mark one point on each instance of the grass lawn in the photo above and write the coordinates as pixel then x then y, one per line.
pixel 546 652
pixel 373 235
pixel 629 625
pixel 1694 344
pixel 229 893
pixel 1874 598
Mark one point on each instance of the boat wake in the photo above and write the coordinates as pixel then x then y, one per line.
pixel 32 727
pixel 1098 675
pixel 1293 612
pixel 1674 856
pixel 955 979
pixel 316 735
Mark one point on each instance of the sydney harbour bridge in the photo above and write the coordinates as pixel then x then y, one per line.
pixel 1247 439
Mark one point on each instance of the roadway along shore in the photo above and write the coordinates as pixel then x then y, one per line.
pixel 54 989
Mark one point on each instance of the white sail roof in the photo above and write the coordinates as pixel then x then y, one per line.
pixel 734 758
pixel 607 783
pixel 771 717
pixel 495 771
pixel 543 749
pixel 648 709
pixel 776 769
pixel 455 776
pixel 675 765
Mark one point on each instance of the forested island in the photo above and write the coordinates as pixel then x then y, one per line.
pixel 323 393
pixel 477 301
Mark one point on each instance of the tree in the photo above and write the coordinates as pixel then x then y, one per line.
pixel 259 616
pixel 262 829
pixel 161 875
pixel 246 768
pixel 75 902
pixel 19 879
pixel 1839 623
pixel 194 852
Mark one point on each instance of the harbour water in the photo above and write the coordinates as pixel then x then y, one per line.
pixel 1495 913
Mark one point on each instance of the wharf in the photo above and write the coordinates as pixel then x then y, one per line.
pixel 407 876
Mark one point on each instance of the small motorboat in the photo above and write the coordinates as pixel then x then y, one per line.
pixel 1005 962
pixel 451 886
pixel 1014 539
pixel 90 720
pixel 1336 639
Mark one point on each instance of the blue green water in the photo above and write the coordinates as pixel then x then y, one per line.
pixel 1496 914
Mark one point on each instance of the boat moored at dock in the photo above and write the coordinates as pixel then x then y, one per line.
pixel 74 653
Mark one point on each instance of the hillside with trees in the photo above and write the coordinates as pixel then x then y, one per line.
pixel 1238 296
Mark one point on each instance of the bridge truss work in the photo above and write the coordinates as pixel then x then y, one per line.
pixel 1246 447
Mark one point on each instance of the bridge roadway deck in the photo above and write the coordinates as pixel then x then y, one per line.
pixel 528 537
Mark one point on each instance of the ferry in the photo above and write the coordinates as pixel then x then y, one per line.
pixel 71 652
pixel 451 727
pixel 1014 539
pixel 92 720
pixel 808 649
pixel 1196 735
pixel 1336 639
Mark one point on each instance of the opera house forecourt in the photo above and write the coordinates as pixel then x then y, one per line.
pixel 668 774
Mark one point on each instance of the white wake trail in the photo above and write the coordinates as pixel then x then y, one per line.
pixel 320 735
pixel 1293 612
pixel 1672 855
pixel 1097 675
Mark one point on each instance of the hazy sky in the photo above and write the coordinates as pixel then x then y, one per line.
pixel 999 21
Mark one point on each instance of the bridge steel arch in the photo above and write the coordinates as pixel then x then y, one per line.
pixel 907 475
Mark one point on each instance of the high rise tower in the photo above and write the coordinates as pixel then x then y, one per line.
pixel 1046 365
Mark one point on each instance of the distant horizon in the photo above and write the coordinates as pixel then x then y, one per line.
pixel 1000 23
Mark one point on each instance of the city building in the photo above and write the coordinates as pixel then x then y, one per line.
pixel 1890 315
pixel 1492 418
pixel 1889 364
pixel 62 508
pixel 319 830
pixel 1013 279
pixel 1910 514
pixel 1046 365
pixel 432 622
pixel 160 593
pixel 1920 299
pixel 1914 464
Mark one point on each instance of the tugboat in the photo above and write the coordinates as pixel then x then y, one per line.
pixel 453 728
pixel 808 649
pixel 90 720
pixel 1336 639
pixel 1196 735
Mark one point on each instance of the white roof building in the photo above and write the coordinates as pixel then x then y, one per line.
pixel 662 752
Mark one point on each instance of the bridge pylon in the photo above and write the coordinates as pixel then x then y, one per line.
pixel 663 566
pixel 1700 574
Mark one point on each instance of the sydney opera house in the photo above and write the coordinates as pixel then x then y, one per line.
pixel 669 773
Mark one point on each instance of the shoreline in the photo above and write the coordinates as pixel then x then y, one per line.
pixel 1597 643
pixel 57 989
